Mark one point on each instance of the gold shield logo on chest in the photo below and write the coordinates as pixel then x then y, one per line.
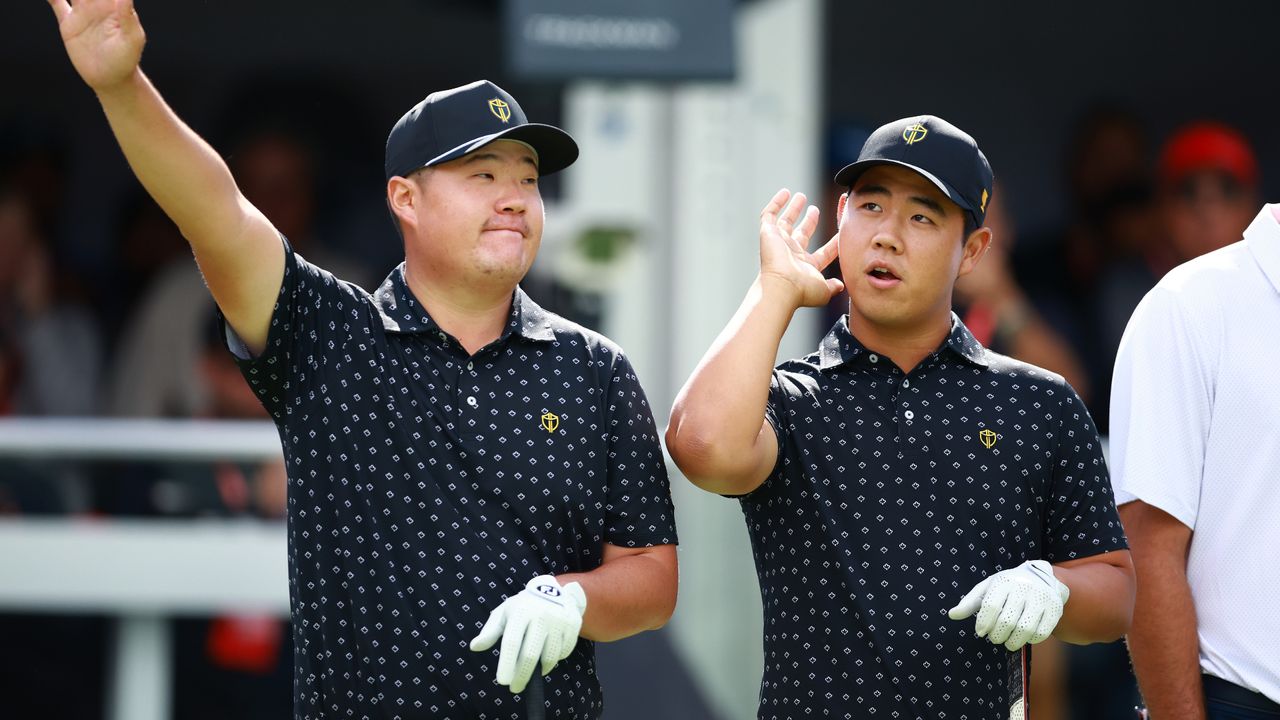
pixel 987 438
pixel 550 422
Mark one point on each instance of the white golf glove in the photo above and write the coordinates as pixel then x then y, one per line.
pixel 540 622
pixel 1017 606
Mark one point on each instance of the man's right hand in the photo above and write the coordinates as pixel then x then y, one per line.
pixel 785 261
pixel 103 39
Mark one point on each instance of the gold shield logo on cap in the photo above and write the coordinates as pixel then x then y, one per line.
pixel 550 421
pixel 500 109
pixel 915 133
pixel 987 438
pixel 985 197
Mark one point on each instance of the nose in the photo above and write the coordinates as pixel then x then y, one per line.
pixel 514 198
pixel 886 238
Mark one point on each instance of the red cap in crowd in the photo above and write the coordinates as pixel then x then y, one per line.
pixel 1208 146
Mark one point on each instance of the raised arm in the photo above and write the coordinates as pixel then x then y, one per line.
pixel 238 250
pixel 718 434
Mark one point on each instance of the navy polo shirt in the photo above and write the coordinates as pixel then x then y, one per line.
pixel 894 494
pixel 426 485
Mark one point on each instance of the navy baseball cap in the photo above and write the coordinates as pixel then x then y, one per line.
pixel 451 123
pixel 943 153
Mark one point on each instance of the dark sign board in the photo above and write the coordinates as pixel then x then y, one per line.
pixel 637 39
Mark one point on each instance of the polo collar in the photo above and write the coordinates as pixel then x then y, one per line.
pixel 402 313
pixel 1263 240
pixel 840 346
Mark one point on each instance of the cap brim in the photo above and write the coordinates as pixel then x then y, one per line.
pixel 556 149
pixel 850 173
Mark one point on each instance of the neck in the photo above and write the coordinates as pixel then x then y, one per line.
pixel 475 316
pixel 905 345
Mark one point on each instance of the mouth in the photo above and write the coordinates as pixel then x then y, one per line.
pixel 881 276
pixel 517 228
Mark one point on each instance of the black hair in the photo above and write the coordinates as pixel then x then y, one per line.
pixel 970 225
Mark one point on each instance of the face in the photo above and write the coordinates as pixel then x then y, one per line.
pixel 901 250
pixel 1206 211
pixel 473 221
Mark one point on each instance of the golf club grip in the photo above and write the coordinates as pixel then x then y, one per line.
pixel 535 701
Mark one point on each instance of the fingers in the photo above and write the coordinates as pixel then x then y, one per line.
pixel 834 286
pixel 992 605
pixel 552 651
pixel 970 603
pixel 1048 622
pixel 1007 621
pixel 1025 630
pixel 61 9
pixel 512 639
pixel 531 650
pixel 807 225
pixel 769 215
pixel 825 255
pixel 491 631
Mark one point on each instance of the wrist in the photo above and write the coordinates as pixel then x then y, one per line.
pixel 122 88
pixel 777 291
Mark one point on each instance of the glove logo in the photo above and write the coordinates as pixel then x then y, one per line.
pixel 987 438
pixel 549 590
pixel 550 421
pixel 500 109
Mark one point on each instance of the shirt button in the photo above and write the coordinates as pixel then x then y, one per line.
pixel 468 366
pixel 906 382
pixel 472 401
pixel 908 414
pixel 443 336
pixel 874 358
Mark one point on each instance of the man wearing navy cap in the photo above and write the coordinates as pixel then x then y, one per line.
pixel 902 477
pixel 474 482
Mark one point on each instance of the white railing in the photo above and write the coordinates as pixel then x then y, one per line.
pixel 141 571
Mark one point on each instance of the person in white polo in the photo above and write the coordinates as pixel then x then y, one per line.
pixel 1195 457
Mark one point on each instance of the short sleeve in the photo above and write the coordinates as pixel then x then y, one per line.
pixel 1160 404
pixel 639 511
pixel 306 293
pixel 1080 517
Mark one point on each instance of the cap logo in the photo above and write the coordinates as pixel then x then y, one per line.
pixel 985 196
pixel 915 133
pixel 500 109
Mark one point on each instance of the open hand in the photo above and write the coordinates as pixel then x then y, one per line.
pixel 103 39
pixel 784 255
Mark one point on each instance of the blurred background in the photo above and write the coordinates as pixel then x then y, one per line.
pixel 142 565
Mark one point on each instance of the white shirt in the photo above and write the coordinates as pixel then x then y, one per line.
pixel 1195 431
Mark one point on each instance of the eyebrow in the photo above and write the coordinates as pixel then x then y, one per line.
pixel 880 190
pixel 477 157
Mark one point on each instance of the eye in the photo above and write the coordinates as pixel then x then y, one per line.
pixel 922 219
pixel 870 206
pixel 530 181
pixel 484 176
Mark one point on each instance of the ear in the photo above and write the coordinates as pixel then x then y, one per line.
pixel 975 246
pixel 844 200
pixel 402 198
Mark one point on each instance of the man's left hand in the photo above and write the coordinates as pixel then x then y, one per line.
pixel 1017 606
pixel 540 622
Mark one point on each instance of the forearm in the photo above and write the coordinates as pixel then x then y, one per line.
pixel 1100 608
pixel 1163 641
pixel 628 595
pixel 718 415
pixel 187 178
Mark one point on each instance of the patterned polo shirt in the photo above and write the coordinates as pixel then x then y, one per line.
pixel 894 494
pixel 426 485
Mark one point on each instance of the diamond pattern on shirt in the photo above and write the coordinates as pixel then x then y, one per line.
pixel 893 495
pixel 426 485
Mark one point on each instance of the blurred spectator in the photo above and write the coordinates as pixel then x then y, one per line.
pixel 50 345
pixel 1000 315
pixel 1208 189
pixel 155 372
pixel 1109 204
pixel 233 666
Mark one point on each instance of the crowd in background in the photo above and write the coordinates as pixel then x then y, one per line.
pixel 136 337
